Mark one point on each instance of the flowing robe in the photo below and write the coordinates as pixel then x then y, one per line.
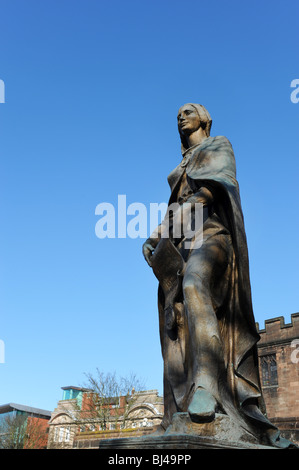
pixel 236 385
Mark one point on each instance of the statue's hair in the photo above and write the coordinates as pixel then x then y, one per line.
pixel 205 120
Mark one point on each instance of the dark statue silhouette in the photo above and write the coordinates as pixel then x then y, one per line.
pixel 207 328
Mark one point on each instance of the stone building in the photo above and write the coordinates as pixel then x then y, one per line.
pixel 278 351
pixel 65 419
pixel 75 423
pixel 143 417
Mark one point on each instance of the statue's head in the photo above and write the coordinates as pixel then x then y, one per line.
pixel 191 117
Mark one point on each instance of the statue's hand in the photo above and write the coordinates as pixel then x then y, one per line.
pixel 148 249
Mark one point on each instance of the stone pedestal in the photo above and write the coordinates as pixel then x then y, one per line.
pixel 221 433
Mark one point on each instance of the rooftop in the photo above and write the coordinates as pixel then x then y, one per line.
pixel 28 409
pixel 72 387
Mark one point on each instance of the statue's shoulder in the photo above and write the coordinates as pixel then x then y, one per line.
pixel 215 156
pixel 213 145
pixel 218 141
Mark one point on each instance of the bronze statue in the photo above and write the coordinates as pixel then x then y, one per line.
pixel 207 328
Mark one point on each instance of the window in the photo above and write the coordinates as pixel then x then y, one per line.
pixel 61 434
pixel 67 434
pixel 56 434
pixel 269 370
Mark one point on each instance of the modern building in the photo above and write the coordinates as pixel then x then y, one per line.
pixel 28 426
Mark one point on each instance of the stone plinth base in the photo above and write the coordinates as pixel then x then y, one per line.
pixel 179 441
pixel 184 434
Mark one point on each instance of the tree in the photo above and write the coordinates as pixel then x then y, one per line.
pixel 110 398
pixel 36 433
pixel 104 402
pixel 22 432
pixel 13 432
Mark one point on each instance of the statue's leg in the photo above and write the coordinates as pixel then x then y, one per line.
pixel 205 287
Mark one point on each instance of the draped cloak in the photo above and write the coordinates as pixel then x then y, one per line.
pixel 212 163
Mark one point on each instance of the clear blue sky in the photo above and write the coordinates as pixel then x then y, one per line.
pixel 92 92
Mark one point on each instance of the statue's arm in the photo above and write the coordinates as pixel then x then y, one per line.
pixel 203 196
pixel 151 243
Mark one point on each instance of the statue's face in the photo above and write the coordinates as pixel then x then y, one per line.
pixel 188 120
